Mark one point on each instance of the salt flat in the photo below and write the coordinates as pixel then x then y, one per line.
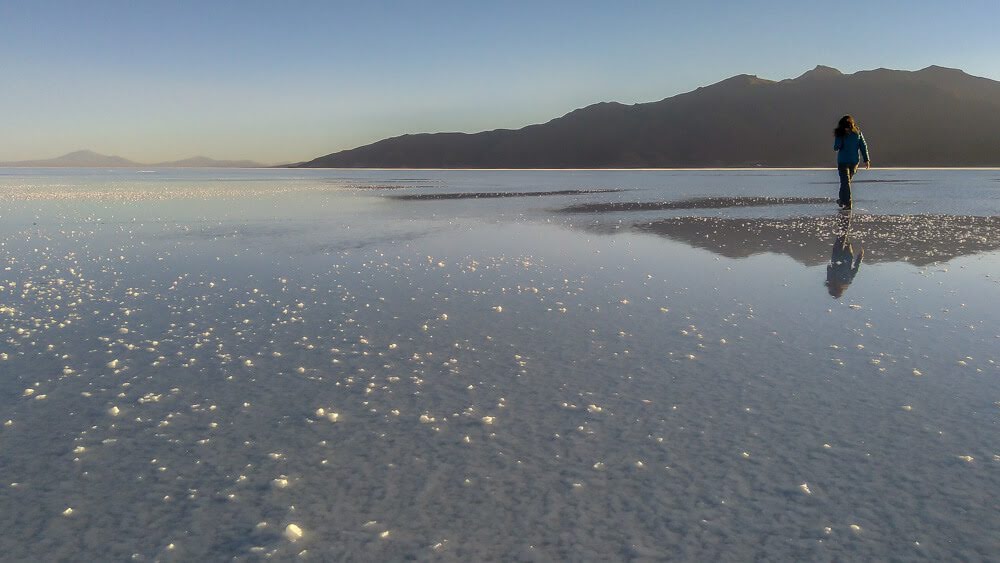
pixel 213 364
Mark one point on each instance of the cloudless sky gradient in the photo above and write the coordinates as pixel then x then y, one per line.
pixel 293 80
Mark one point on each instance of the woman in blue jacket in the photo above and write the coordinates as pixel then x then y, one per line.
pixel 848 142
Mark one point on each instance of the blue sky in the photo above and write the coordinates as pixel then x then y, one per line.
pixel 292 80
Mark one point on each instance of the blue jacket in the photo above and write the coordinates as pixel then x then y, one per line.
pixel 848 147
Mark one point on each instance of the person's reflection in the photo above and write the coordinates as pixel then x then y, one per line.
pixel 845 261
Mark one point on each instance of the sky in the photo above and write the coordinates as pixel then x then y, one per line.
pixel 292 80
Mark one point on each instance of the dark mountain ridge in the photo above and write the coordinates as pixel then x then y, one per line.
pixel 932 117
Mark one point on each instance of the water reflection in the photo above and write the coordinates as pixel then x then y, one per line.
pixel 845 260
pixel 916 239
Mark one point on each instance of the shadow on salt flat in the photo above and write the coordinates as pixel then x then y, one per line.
pixel 246 231
pixel 875 181
pixel 494 195
pixel 357 243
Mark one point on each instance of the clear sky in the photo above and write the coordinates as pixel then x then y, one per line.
pixel 292 80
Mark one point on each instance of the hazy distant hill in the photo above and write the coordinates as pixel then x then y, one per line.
pixel 80 159
pixel 931 117
pixel 91 159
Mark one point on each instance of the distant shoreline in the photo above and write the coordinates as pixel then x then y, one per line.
pixel 142 168
pixel 714 169
pixel 664 169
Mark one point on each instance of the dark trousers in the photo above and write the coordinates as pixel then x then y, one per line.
pixel 846 173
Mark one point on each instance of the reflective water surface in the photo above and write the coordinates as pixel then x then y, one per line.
pixel 622 365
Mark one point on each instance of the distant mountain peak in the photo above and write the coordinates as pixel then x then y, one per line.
pixel 820 71
pixel 85 158
pixel 935 69
pixel 751 79
pixel 735 82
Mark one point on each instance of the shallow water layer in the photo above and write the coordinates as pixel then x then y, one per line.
pixel 215 365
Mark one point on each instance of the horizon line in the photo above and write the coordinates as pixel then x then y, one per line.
pixel 685 169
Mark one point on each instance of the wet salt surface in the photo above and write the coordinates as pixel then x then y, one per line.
pixel 494 195
pixel 692 203
pixel 238 364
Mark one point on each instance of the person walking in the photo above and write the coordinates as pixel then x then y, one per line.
pixel 849 143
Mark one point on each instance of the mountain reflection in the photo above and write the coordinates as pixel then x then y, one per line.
pixel 917 239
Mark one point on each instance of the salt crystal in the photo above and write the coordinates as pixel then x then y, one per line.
pixel 293 532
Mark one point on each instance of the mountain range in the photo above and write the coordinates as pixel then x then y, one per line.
pixel 932 117
pixel 90 159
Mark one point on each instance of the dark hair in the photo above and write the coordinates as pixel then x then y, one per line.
pixel 835 289
pixel 844 126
